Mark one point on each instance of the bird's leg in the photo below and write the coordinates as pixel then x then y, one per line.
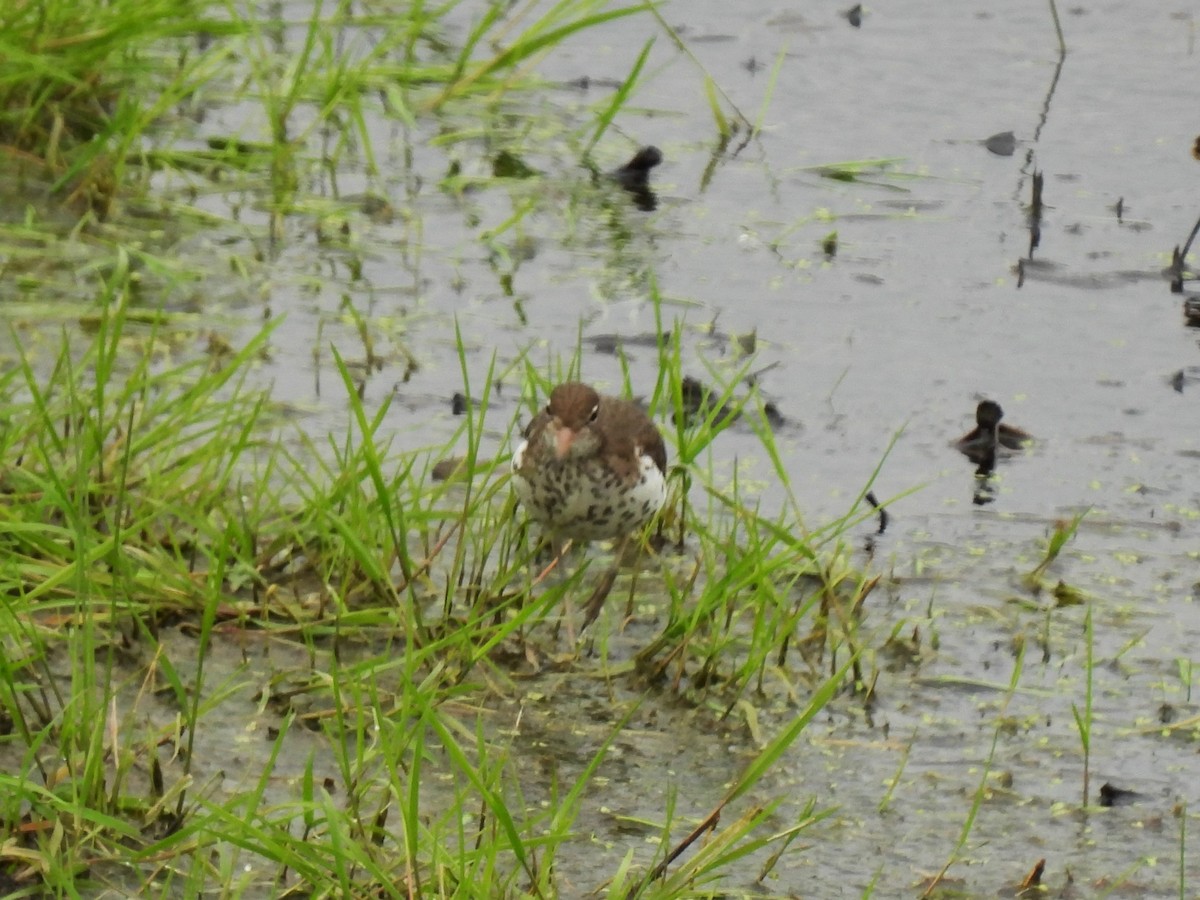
pixel 559 551
pixel 600 594
pixel 636 563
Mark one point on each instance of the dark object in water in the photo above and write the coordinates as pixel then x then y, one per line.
pixel 1035 213
pixel 1033 880
pixel 1191 311
pixel 507 164
pixel 451 467
pixel 829 245
pixel 634 177
pixel 699 402
pixel 458 404
pixel 883 513
pixel 774 417
pixel 1002 144
pixel 854 15
pixel 870 542
pixel 989 438
pixel 1184 377
pixel 1111 795
pixel 612 343
pixel 1175 272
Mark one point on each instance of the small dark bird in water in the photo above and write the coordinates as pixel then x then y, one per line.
pixel 983 443
pixel 634 177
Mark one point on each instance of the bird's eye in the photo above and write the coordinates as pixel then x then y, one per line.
pixel 595 413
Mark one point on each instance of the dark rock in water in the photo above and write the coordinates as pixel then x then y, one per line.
pixel 1111 795
pixel 1002 144
pixel 1189 375
pixel 700 402
pixel 854 15
pixel 452 467
pixel 774 417
pixel 611 343
pixel 458 404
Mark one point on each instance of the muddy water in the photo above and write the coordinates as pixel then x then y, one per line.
pixel 918 316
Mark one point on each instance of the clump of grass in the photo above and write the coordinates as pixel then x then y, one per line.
pixel 178 554
pixel 1084 716
pixel 81 84
pixel 141 496
pixel 1059 538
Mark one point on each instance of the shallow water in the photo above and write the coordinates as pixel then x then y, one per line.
pixel 917 317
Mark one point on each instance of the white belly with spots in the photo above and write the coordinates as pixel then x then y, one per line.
pixel 585 501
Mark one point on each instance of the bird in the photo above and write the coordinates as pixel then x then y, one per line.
pixel 634 177
pixel 990 436
pixel 591 467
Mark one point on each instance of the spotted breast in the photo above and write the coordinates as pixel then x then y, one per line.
pixel 591 467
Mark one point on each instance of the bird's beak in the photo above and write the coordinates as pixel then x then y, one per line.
pixel 563 439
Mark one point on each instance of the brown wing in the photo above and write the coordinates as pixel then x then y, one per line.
pixel 627 426
pixel 537 423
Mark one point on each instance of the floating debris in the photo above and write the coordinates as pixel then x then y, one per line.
pixel 829 245
pixel 1111 795
pixel 508 165
pixel 1182 378
pixel 1035 213
pixel 446 469
pixel 883 513
pixel 1175 273
pixel 1003 143
pixel 699 402
pixel 612 343
pixel 1033 880
pixel 1191 311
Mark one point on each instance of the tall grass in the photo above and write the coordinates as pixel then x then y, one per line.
pixel 242 659
pixel 158 513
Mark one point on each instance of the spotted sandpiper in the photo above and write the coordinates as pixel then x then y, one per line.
pixel 591 468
